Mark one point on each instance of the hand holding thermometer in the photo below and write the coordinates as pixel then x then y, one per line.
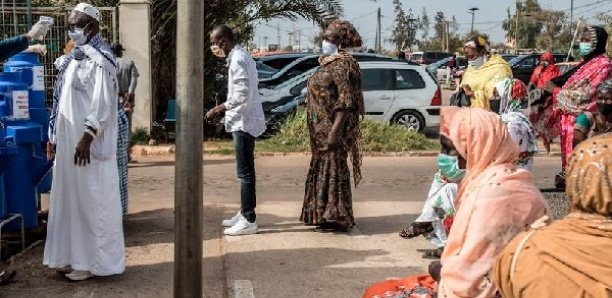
pixel 39 30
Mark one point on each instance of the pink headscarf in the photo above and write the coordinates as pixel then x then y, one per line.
pixel 496 201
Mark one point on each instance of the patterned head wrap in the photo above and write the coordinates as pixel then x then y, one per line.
pixel 513 93
pixel 344 34
pixel 589 180
pixel 478 43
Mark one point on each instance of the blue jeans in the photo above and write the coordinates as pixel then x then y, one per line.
pixel 244 147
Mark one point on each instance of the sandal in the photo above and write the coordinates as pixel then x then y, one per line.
pixel 560 180
pixel 6 277
pixel 433 253
pixel 416 229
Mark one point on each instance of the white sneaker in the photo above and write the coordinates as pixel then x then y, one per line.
pixel 228 223
pixel 78 275
pixel 242 227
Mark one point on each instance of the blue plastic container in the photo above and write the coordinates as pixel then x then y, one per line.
pixel 33 75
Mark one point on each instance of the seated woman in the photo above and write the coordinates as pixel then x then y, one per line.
pixel 496 201
pixel 509 96
pixel 572 256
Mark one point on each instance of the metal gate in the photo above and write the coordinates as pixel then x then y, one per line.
pixel 16 17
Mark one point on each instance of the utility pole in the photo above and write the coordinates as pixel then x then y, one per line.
pixel 516 33
pixel 571 14
pixel 378 42
pixel 278 36
pixel 266 43
pixel 473 12
pixel 299 40
pixel 188 184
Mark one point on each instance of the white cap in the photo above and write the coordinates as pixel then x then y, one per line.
pixel 89 10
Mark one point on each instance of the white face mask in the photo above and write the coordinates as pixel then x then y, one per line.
pixel 78 36
pixel 328 48
pixel 477 62
pixel 217 51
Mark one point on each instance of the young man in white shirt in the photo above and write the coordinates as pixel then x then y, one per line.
pixel 244 119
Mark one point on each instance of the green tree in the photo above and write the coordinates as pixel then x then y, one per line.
pixel 529 26
pixel 553 22
pixel 424 26
pixel 404 28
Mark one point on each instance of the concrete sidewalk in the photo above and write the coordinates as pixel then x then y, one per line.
pixel 286 259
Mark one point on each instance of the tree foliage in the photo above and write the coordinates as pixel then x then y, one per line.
pixel 404 27
pixel 529 11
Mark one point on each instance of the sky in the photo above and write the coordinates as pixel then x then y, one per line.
pixel 362 13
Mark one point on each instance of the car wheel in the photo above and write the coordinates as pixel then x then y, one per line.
pixel 410 120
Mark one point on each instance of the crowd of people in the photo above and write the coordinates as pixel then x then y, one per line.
pixel 483 199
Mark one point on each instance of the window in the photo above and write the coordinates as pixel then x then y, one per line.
pixel 377 79
pixel 408 79
pixel 529 62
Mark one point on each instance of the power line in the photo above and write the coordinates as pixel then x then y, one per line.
pixel 591 9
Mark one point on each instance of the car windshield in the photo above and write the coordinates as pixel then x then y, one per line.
pixel 416 57
pixel 516 60
pixel 295 79
pixel 262 67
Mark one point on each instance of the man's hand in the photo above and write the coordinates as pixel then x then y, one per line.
pixel 50 151
pixel 214 112
pixel 82 155
pixel 38 31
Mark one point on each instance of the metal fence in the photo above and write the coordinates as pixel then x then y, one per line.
pixel 17 17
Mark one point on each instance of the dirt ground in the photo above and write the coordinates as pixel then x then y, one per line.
pixel 286 259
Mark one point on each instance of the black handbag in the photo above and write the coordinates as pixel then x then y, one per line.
pixel 459 99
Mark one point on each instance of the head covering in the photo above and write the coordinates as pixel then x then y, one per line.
pixel 495 202
pixel 482 80
pixel 344 34
pixel 548 56
pixel 446 115
pixel 598 37
pixel 513 93
pixel 605 86
pixel 89 10
pixel 589 179
pixel 479 43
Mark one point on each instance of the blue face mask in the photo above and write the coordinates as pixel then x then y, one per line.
pixel 449 166
pixel 585 48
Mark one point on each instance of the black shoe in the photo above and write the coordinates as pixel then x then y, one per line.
pixel 6 277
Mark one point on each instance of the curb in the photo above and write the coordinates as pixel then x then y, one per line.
pixel 140 150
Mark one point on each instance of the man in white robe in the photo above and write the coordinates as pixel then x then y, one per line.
pixel 85 232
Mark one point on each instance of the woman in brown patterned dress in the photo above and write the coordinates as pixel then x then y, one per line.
pixel 335 108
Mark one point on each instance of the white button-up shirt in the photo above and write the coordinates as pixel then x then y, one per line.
pixel 244 111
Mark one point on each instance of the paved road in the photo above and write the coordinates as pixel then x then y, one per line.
pixel 286 259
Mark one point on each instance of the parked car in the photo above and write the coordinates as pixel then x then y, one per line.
pixel 426 58
pixel 438 69
pixel 264 71
pixel 566 66
pixel 304 64
pixel 279 61
pixel 508 57
pixel 292 87
pixel 401 93
pixel 523 66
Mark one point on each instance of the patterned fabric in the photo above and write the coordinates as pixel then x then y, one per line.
pixel 592 124
pixel 542 75
pixel 512 93
pixel 572 255
pixel 122 157
pixel 439 206
pixel 577 96
pixel 335 86
pixel 98 50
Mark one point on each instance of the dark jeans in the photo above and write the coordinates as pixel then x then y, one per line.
pixel 244 146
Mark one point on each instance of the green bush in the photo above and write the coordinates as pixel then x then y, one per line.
pixel 140 136
pixel 377 136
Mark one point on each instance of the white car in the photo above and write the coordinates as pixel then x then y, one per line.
pixel 401 93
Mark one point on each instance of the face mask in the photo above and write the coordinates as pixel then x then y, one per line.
pixel 585 48
pixel 545 63
pixel 78 36
pixel 604 108
pixel 217 51
pixel 449 166
pixel 476 62
pixel 328 48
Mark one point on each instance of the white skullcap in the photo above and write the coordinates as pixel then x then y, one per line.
pixel 89 10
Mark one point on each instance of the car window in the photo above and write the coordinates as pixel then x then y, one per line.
pixel 377 79
pixel 430 55
pixel 529 62
pixel 416 57
pixel 559 58
pixel 408 79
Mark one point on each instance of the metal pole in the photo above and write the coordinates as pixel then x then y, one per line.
pixel 571 14
pixel 472 27
pixel 569 53
pixel 516 34
pixel 188 183
pixel 114 20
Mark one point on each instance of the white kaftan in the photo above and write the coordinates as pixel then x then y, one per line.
pixel 85 228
